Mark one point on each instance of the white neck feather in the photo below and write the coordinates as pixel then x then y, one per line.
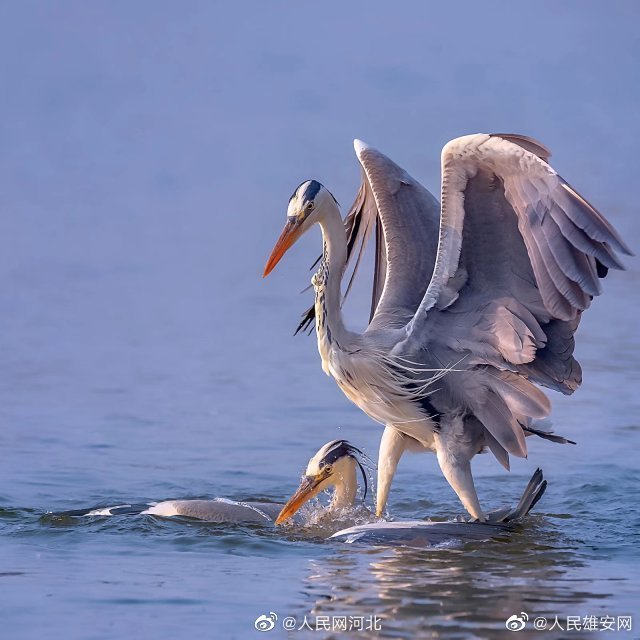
pixel 327 281
pixel 344 494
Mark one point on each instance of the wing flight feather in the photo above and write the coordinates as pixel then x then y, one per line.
pixel 520 254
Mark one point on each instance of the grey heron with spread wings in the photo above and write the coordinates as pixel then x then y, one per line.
pixel 475 302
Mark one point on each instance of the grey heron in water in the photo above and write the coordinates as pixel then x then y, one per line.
pixel 334 466
pixel 475 299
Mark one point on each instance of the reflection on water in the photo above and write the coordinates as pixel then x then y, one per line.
pixel 455 591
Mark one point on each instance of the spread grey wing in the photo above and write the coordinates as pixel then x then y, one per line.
pixel 520 255
pixel 406 218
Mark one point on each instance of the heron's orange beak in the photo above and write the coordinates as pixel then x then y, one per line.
pixel 309 487
pixel 289 235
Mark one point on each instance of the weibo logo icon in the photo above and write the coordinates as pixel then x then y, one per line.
pixel 265 622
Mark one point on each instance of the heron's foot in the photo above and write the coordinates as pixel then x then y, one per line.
pixel 481 520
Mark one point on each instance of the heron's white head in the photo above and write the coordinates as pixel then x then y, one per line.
pixel 334 465
pixel 307 206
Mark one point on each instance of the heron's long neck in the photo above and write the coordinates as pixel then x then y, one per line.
pixel 344 494
pixel 327 281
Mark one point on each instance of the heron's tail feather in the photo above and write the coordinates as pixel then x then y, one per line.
pixel 533 492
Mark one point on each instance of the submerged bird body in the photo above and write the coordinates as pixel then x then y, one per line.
pixel 419 533
pixel 475 300
pixel 217 510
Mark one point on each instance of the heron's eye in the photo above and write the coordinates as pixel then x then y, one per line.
pixel 309 206
pixel 327 469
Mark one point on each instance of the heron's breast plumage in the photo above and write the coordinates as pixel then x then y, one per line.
pixel 364 375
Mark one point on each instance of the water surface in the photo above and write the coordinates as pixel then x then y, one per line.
pixel 148 151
